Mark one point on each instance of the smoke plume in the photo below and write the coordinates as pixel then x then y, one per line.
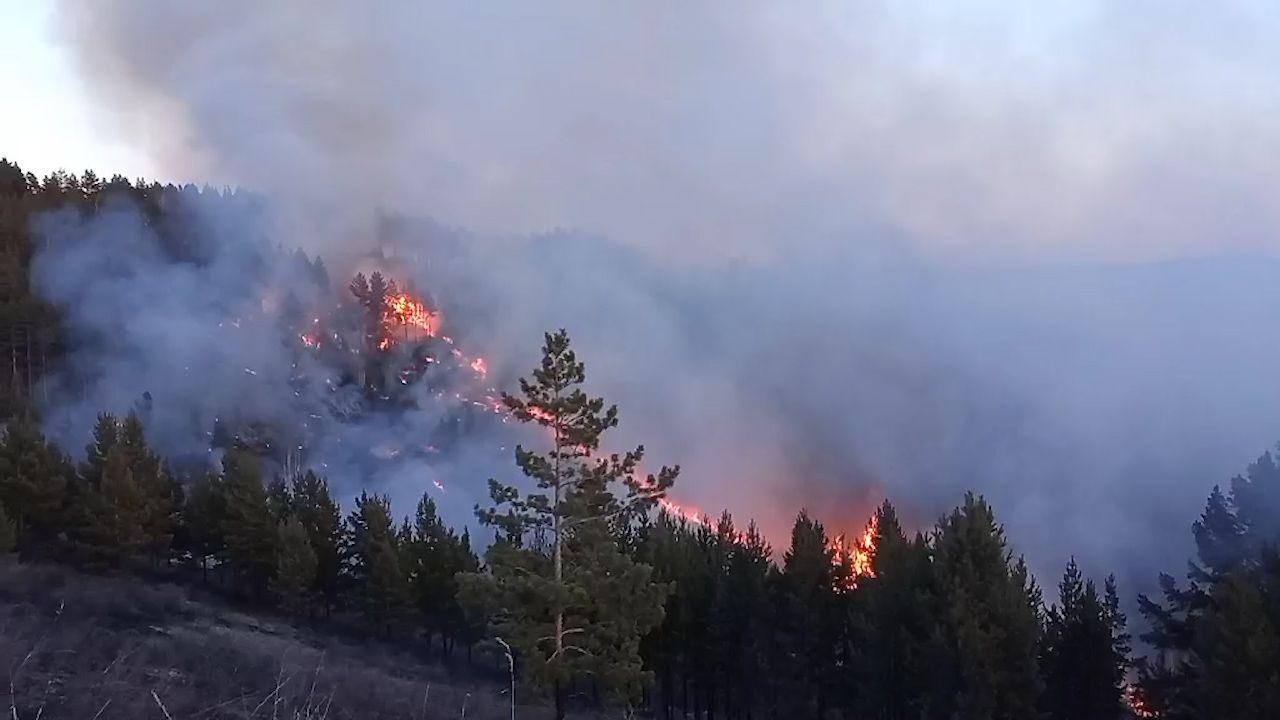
pixel 826 252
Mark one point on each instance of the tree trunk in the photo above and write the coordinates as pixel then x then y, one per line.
pixel 559 694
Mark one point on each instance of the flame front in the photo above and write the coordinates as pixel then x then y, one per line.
pixel 409 314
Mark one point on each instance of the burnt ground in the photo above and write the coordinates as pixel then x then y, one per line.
pixel 98 647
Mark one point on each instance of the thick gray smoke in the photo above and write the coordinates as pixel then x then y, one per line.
pixel 834 251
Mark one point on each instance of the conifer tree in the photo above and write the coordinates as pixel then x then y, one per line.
pixel 377 570
pixel 295 572
pixel 1082 660
pixel 431 561
pixel 106 435
pixel 989 631
pixel 574 602
pixel 279 500
pixel 1231 536
pixel 1237 644
pixel 316 509
pixel 807 610
pixel 895 625
pixel 159 514
pixel 33 480
pixel 116 512
pixel 247 527
pixel 204 519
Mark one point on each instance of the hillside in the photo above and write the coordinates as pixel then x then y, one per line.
pixel 84 646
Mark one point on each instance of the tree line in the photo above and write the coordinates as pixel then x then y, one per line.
pixel 603 599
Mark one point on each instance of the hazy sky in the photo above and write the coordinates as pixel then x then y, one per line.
pixel 1072 130
pixel 47 122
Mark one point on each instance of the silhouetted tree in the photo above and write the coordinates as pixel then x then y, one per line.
pixel 1083 656
pixel 988 632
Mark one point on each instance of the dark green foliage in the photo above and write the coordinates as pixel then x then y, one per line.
pixel 1237 645
pixel 247 526
pixel 204 519
pixel 809 615
pixel 33 483
pixel 377 569
pixel 116 512
pixel 319 515
pixel 1085 651
pixel 1215 638
pixel 279 500
pixel 988 623
pixel 436 555
pixel 295 571
pixel 559 588
pixel 895 624
pixel 159 512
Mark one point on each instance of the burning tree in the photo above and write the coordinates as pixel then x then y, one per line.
pixel 558 588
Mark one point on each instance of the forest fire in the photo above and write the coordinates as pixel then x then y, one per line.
pixel 409 311
pixel 405 319
pixel 857 555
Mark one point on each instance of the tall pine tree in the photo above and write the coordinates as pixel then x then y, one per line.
pixel 559 588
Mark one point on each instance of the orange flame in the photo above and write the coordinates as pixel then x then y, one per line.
pixel 407 310
pixel 858 555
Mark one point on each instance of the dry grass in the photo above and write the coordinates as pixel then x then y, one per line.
pixel 78 646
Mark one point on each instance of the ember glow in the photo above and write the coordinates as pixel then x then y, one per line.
pixel 1137 703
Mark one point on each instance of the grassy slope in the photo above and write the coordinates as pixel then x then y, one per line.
pixel 80 646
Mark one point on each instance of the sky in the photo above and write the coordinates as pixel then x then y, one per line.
pixel 55 126
pixel 982 131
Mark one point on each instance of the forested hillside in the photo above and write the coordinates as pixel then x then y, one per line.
pixel 590 591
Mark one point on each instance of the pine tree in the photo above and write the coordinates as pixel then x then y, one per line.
pixel 378 572
pixel 295 571
pixel 106 435
pixel 432 559
pixel 987 639
pixel 808 610
pixel 116 513
pixel 279 500
pixel 159 513
pixel 204 519
pixel 33 481
pixel 559 589
pixel 247 526
pixel 321 518
pixel 1238 646
pixel 895 625
pixel 1081 659
pixel 1231 537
